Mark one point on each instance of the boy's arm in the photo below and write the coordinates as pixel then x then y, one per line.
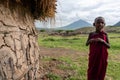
pixel 107 44
pixel 87 43
pixel 89 40
pixel 104 42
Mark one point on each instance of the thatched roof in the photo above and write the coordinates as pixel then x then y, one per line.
pixel 39 9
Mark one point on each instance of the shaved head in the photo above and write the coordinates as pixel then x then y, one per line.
pixel 98 18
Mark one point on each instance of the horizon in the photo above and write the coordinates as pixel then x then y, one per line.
pixel 51 25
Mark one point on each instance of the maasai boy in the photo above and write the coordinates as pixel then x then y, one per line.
pixel 98 43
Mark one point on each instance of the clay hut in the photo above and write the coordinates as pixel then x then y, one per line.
pixel 19 50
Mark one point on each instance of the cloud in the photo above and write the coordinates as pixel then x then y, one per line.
pixel 72 10
pixel 69 11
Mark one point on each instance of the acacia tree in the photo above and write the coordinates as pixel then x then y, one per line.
pixel 19 50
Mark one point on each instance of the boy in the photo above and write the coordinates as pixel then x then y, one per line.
pixel 98 54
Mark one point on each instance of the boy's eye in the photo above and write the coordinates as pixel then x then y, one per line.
pixel 100 22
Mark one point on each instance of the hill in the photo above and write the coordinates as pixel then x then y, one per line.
pixel 117 24
pixel 91 29
pixel 75 25
pixel 84 30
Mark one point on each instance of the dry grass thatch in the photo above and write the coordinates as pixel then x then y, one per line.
pixel 39 9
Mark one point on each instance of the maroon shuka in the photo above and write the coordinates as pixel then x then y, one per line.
pixel 97 57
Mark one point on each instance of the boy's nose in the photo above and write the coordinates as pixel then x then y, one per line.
pixel 100 23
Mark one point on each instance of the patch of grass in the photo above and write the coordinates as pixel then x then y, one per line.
pixel 66 59
pixel 74 42
pixel 68 64
pixel 114 70
pixel 67 67
pixel 76 78
pixel 52 76
pixel 113 35
pixel 115 44
pixel 46 58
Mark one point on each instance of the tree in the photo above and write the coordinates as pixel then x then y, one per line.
pixel 19 50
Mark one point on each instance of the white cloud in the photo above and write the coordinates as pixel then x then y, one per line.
pixel 72 10
pixel 69 11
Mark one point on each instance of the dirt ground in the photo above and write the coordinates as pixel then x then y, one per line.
pixel 51 66
pixel 57 52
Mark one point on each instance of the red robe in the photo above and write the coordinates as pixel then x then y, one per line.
pixel 97 57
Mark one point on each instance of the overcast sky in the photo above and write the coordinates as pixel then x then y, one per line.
pixel 69 11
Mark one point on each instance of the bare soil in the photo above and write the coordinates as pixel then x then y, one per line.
pixel 51 66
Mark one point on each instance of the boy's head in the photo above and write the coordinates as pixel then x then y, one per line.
pixel 99 23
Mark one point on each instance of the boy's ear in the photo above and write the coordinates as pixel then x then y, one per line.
pixel 93 24
pixel 104 23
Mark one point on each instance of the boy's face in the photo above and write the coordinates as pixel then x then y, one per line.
pixel 99 24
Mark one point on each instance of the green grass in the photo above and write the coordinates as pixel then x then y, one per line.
pixel 52 76
pixel 80 63
pixel 74 42
pixel 114 70
pixel 69 64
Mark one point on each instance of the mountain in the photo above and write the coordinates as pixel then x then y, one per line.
pixel 117 24
pixel 76 25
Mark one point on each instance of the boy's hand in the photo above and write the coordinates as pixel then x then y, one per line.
pixel 96 40
pixel 100 40
pixel 92 40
